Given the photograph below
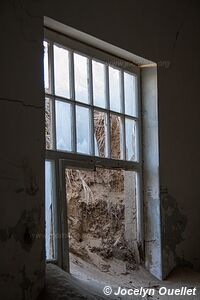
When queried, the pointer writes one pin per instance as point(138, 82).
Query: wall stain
point(173, 226)
point(6, 276)
point(30, 184)
point(23, 231)
point(26, 285)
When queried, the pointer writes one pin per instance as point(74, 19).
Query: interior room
point(99, 114)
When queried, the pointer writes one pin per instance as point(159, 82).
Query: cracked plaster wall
point(164, 32)
point(22, 150)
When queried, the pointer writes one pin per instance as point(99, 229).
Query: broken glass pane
point(100, 133)
point(102, 225)
point(116, 137)
point(48, 124)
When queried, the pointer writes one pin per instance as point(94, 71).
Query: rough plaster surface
point(173, 221)
point(167, 33)
point(22, 150)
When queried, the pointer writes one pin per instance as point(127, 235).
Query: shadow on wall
point(173, 226)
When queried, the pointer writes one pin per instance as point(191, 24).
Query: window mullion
point(138, 123)
point(73, 105)
point(108, 148)
point(52, 89)
point(90, 86)
point(123, 118)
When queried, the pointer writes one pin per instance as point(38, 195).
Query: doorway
point(100, 218)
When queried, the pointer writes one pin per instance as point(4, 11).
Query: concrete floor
point(88, 283)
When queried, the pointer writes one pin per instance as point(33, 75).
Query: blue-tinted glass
point(63, 126)
point(83, 129)
point(130, 93)
point(81, 78)
point(114, 89)
point(130, 126)
point(99, 94)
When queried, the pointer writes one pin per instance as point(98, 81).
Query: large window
point(89, 100)
point(92, 110)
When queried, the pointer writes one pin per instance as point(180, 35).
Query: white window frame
point(63, 159)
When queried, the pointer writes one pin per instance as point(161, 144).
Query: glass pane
point(100, 133)
point(63, 126)
point(116, 137)
point(48, 123)
point(49, 211)
point(130, 93)
point(46, 65)
point(61, 71)
point(98, 71)
point(83, 129)
point(130, 126)
point(81, 78)
point(114, 89)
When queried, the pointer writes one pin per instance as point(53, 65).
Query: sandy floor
point(87, 282)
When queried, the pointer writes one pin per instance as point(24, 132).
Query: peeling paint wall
point(22, 150)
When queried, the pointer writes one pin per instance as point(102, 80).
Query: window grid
point(50, 93)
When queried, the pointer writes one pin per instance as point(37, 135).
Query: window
point(83, 92)
point(92, 112)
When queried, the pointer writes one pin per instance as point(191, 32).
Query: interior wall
point(22, 150)
point(164, 32)
point(168, 34)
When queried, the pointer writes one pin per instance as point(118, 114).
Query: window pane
point(129, 92)
point(83, 129)
point(49, 211)
point(114, 89)
point(63, 125)
point(116, 137)
point(61, 71)
point(81, 78)
point(130, 126)
point(46, 65)
point(48, 123)
point(100, 133)
point(98, 71)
